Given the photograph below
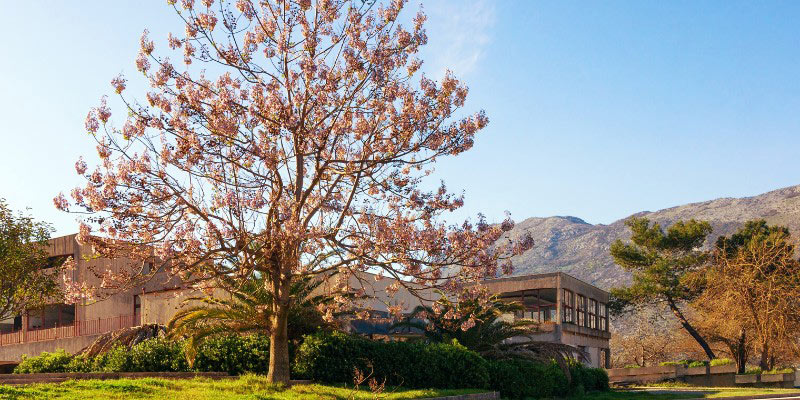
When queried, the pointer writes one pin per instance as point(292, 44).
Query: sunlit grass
point(245, 387)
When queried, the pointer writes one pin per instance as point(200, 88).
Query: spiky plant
point(246, 309)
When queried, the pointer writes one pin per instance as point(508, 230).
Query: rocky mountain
point(571, 245)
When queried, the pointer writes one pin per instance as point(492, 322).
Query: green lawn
point(683, 393)
point(246, 387)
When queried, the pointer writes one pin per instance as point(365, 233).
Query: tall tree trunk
point(690, 329)
point(279, 346)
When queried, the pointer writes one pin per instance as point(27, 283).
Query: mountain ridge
point(571, 245)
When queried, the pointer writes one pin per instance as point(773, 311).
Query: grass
point(245, 388)
point(682, 393)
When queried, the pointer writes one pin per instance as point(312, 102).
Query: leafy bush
point(46, 362)
point(589, 379)
point(633, 366)
point(512, 378)
point(335, 357)
point(234, 354)
point(721, 361)
point(153, 355)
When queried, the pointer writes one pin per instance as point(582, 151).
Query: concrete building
point(569, 311)
point(72, 327)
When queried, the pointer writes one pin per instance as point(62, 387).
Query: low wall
point(719, 376)
point(723, 375)
point(14, 352)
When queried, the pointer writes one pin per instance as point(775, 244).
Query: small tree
point(24, 281)
point(755, 281)
point(660, 263)
point(305, 154)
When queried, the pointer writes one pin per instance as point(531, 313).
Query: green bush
point(335, 357)
point(234, 354)
point(153, 355)
point(721, 361)
point(589, 379)
point(46, 362)
point(698, 364)
point(513, 379)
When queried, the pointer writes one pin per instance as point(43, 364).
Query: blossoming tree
point(303, 155)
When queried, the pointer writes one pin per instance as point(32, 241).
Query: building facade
point(569, 311)
point(72, 327)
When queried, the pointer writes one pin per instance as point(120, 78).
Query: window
point(11, 324)
point(51, 316)
point(547, 305)
point(603, 317)
point(55, 261)
point(568, 306)
point(581, 306)
point(137, 304)
point(592, 314)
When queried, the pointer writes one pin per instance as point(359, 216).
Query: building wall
point(14, 352)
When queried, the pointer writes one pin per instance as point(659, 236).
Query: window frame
point(41, 313)
point(581, 307)
point(567, 306)
point(603, 313)
point(592, 316)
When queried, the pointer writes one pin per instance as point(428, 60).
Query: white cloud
point(459, 31)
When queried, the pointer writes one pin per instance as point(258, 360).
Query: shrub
point(334, 358)
point(589, 379)
point(698, 364)
point(720, 361)
point(234, 354)
point(46, 362)
point(152, 355)
point(513, 379)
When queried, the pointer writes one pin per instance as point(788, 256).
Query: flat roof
point(536, 276)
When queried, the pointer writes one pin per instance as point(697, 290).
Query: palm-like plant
point(246, 310)
point(478, 323)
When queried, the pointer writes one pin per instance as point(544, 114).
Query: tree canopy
point(752, 289)
point(25, 282)
point(660, 263)
point(299, 147)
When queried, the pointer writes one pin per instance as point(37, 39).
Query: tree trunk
point(764, 362)
point(690, 329)
point(279, 346)
point(741, 353)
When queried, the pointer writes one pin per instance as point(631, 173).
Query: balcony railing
point(79, 328)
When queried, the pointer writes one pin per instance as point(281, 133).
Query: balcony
point(79, 328)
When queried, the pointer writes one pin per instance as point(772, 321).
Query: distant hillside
point(570, 245)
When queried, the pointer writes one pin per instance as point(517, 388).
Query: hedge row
point(335, 358)
point(232, 354)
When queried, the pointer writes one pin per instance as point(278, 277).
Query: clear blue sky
point(598, 109)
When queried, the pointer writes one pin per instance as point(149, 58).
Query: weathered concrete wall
point(73, 345)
